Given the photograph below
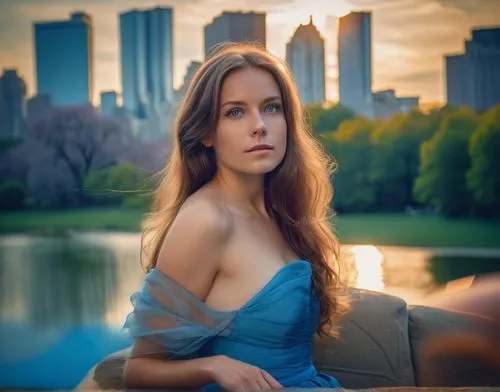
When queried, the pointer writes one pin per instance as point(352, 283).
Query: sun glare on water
point(368, 260)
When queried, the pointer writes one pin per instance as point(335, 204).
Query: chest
point(257, 244)
point(253, 256)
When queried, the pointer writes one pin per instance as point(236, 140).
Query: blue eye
point(235, 112)
point(272, 108)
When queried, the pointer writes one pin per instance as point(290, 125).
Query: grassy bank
point(406, 230)
point(82, 219)
point(378, 229)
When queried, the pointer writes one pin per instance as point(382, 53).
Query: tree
point(12, 195)
point(14, 164)
point(325, 120)
point(351, 147)
point(396, 157)
point(483, 178)
point(70, 142)
point(444, 163)
point(125, 184)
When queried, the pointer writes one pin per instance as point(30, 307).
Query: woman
point(241, 254)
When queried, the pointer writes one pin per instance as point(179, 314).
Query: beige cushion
point(373, 349)
point(433, 328)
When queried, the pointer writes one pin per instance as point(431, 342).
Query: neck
point(245, 191)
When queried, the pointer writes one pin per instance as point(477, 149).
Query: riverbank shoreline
point(426, 231)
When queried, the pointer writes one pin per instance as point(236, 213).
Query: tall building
point(355, 62)
point(147, 60)
point(191, 70)
point(109, 103)
point(64, 60)
point(37, 106)
point(473, 78)
point(457, 89)
point(235, 27)
point(12, 105)
point(305, 54)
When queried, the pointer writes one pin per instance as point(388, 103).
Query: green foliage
point(447, 158)
point(12, 195)
point(124, 184)
point(483, 178)
point(447, 268)
point(395, 163)
point(325, 120)
point(444, 163)
point(352, 149)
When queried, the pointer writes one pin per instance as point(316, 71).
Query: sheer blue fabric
point(273, 330)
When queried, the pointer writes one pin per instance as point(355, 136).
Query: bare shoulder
point(192, 249)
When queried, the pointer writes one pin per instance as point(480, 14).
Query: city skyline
point(410, 39)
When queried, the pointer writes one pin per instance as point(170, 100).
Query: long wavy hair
point(298, 192)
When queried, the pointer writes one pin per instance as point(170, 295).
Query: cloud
point(471, 6)
point(420, 76)
point(414, 83)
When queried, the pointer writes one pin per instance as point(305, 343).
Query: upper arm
point(192, 249)
point(191, 253)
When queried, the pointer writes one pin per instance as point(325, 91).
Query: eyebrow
point(242, 103)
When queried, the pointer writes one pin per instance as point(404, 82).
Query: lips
point(260, 147)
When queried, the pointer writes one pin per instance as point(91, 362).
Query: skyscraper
point(64, 59)
point(191, 70)
point(305, 54)
point(473, 78)
point(36, 107)
point(235, 27)
point(12, 105)
point(355, 63)
point(147, 60)
point(109, 104)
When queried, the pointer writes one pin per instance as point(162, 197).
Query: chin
point(255, 170)
point(261, 168)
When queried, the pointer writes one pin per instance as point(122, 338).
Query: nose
point(259, 128)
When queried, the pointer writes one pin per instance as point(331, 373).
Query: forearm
point(159, 373)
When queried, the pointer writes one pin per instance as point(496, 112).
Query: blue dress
point(273, 330)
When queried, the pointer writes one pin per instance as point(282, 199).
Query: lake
point(64, 299)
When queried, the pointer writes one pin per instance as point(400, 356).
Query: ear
point(207, 141)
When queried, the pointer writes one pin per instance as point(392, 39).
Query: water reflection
point(64, 299)
point(57, 281)
point(368, 267)
point(62, 302)
point(449, 268)
point(88, 278)
point(415, 273)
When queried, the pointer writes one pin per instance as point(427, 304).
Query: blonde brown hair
point(297, 193)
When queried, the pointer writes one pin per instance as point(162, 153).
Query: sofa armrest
point(373, 349)
point(449, 348)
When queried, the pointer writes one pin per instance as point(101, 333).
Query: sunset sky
point(410, 37)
